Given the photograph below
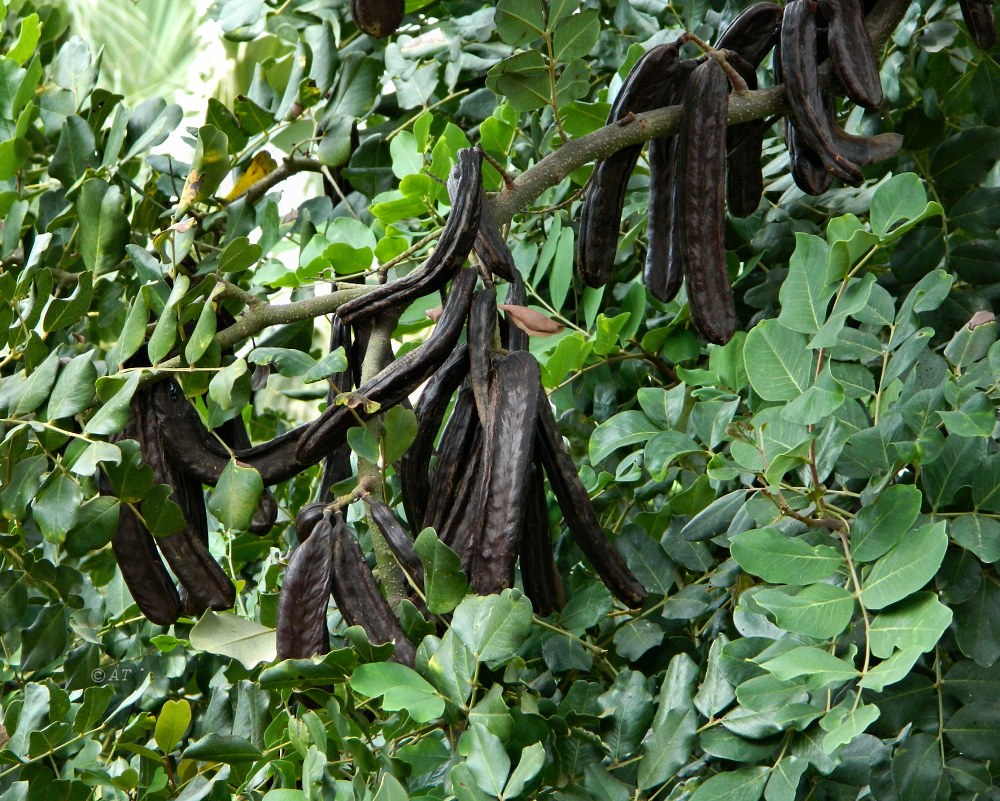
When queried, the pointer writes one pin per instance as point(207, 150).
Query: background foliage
point(814, 508)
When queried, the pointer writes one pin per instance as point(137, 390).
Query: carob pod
point(482, 334)
point(805, 165)
point(802, 90)
point(305, 595)
point(414, 466)
point(454, 453)
point(337, 464)
point(135, 551)
point(358, 597)
point(852, 52)
point(509, 436)
point(752, 35)
point(578, 512)
point(393, 384)
point(453, 247)
point(512, 336)
point(539, 574)
point(978, 16)
point(460, 516)
point(490, 247)
point(234, 433)
point(663, 273)
point(307, 518)
point(378, 18)
point(646, 87)
point(399, 542)
point(186, 551)
point(701, 170)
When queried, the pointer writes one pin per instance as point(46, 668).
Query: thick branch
point(552, 169)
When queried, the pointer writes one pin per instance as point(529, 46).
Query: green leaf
point(56, 507)
point(290, 363)
point(576, 36)
point(524, 80)
point(334, 362)
point(819, 610)
point(745, 784)
point(806, 291)
point(916, 623)
point(38, 385)
point(227, 748)
point(978, 534)
point(894, 669)
point(165, 331)
point(900, 203)
point(209, 167)
point(63, 312)
point(663, 450)
point(969, 345)
point(845, 722)
point(906, 568)
point(779, 364)
point(586, 608)
point(232, 636)
point(171, 724)
point(781, 559)
point(966, 157)
point(975, 730)
point(818, 402)
point(133, 333)
point(493, 627)
point(668, 747)
point(74, 389)
point(783, 783)
point(75, 153)
point(452, 668)
point(28, 34)
point(626, 428)
point(978, 624)
point(363, 444)
point(528, 766)
point(44, 641)
point(399, 428)
point(821, 666)
point(238, 255)
point(519, 21)
point(646, 559)
point(104, 226)
point(22, 486)
point(162, 514)
point(203, 334)
point(235, 498)
point(975, 418)
point(444, 582)
point(879, 526)
point(486, 758)
point(13, 599)
point(716, 692)
point(400, 688)
point(111, 417)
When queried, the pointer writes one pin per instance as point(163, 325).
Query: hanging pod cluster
point(481, 487)
point(705, 168)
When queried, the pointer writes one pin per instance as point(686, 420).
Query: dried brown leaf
point(532, 322)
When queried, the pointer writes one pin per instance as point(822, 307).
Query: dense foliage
point(814, 508)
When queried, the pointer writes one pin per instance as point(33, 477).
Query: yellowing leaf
point(262, 164)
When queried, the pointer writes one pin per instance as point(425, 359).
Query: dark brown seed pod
point(457, 447)
point(979, 18)
point(852, 52)
point(337, 464)
point(414, 466)
point(378, 18)
point(646, 87)
point(453, 246)
point(397, 539)
point(807, 168)
point(539, 574)
point(305, 596)
point(753, 33)
point(142, 568)
point(701, 169)
point(805, 98)
point(186, 551)
point(358, 597)
point(509, 439)
point(307, 518)
point(744, 148)
point(579, 513)
point(393, 384)
point(663, 269)
point(512, 336)
point(234, 434)
point(461, 516)
point(482, 334)
point(490, 247)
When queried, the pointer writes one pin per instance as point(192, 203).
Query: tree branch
point(289, 167)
